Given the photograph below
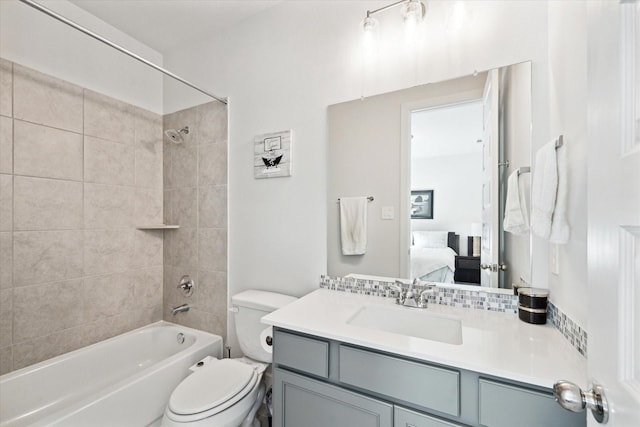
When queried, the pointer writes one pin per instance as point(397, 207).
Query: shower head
point(176, 136)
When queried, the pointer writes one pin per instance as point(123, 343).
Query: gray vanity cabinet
point(304, 402)
point(323, 383)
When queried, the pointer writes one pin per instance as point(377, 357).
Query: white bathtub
point(123, 381)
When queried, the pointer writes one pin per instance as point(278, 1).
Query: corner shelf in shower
point(158, 227)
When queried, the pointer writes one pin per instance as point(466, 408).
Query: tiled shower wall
point(78, 172)
point(195, 198)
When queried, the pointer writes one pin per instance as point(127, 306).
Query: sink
point(412, 322)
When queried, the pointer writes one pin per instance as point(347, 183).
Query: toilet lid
point(225, 381)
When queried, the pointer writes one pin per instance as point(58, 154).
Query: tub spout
point(180, 309)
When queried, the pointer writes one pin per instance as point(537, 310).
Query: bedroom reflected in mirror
point(459, 139)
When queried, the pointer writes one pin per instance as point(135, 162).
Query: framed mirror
point(456, 141)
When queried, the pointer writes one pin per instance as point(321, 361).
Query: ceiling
point(165, 24)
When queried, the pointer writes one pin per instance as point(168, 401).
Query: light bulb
point(412, 13)
point(370, 28)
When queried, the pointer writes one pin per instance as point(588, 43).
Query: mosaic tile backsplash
point(479, 300)
point(570, 329)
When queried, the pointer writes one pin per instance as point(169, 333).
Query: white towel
point(548, 194)
point(353, 225)
point(516, 213)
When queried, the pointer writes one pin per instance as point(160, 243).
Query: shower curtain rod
point(117, 47)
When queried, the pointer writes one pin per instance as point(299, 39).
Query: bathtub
point(123, 381)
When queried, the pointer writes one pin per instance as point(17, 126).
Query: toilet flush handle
point(234, 309)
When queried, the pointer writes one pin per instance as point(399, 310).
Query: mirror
point(436, 160)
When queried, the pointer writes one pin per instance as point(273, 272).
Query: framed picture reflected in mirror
point(421, 204)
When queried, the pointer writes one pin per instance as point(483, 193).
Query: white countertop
point(493, 343)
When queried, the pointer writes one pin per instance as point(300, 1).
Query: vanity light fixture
point(412, 12)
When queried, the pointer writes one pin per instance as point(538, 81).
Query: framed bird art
point(272, 155)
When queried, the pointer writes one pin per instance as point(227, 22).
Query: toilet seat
point(211, 390)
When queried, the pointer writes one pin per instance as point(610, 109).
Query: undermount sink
point(413, 322)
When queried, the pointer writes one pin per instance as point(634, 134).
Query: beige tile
point(43, 348)
point(184, 206)
point(184, 166)
point(212, 123)
point(148, 206)
point(143, 316)
point(6, 360)
point(108, 118)
point(46, 256)
point(47, 152)
point(212, 249)
point(46, 204)
point(166, 208)
point(6, 145)
point(44, 309)
point(212, 164)
point(147, 248)
point(193, 318)
point(106, 296)
point(107, 251)
point(6, 260)
point(148, 287)
point(107, 162)
point(6, 88)
point(211, 292)
point(148, 165)
point(183, 247)
point(6, 317)
point(166, 166)
point(212, 206)
point(45, 100)
point(148, 127)
point(108, 206)
point(6, 202)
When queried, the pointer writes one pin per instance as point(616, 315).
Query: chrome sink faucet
point(409, 298)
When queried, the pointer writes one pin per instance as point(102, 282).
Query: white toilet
point(228, 392)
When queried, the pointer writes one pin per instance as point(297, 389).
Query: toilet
point(229, 392)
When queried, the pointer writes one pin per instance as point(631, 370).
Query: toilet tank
point(251, 306)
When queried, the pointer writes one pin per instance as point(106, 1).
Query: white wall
point(35, 40)
point(283, 67)
point(457, 197)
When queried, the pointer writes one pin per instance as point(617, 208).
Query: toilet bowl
point(225, 393)
point(229, 392)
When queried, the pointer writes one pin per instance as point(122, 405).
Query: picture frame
point(272, 155)
point(421, 204)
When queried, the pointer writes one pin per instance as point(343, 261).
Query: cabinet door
point(504, 405)
point(301, 401)
point(404, 417)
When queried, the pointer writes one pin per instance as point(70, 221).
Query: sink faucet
point(180, 309)
point(409, 298)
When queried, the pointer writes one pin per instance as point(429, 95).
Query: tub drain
point(180, 338)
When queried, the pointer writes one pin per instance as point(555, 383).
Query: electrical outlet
point(555, 259)
point(388, 212)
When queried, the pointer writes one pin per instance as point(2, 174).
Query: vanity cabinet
point(320, 382)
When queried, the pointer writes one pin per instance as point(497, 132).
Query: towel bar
point(369, 198)
point(523, 169)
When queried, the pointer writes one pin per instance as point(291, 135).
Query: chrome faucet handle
point(423, 301)
point(397, 287)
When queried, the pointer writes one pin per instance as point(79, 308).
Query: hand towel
point(549, 193)
point(560, 231)
point(544, 190)
point(516, 215)
point(353, 225)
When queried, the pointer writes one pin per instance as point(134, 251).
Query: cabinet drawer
point(426, 386)
point(468, 264)
point(304, 402)
point(403, 417)
point(302, 353)
point(503, 405)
